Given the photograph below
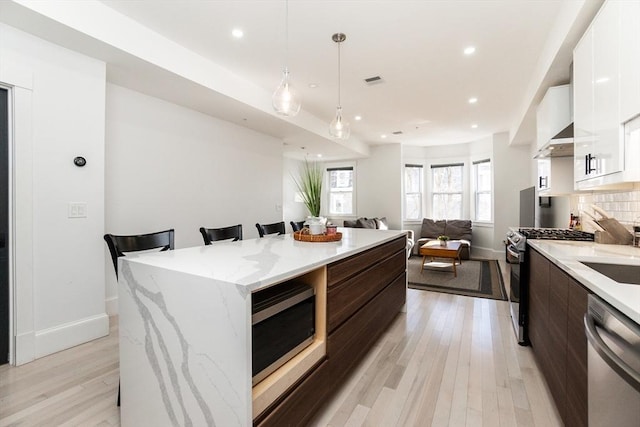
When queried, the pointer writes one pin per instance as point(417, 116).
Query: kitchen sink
point(618, 272)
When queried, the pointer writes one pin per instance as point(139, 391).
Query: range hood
point(561, 145)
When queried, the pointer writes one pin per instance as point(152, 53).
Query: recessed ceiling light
point(237, 33)
point(357, 118)
point(318, 155)
point(313, 85)
point(473, 100)
point(383, 136)
point(469, 50)
point(602, 80)
point(474, 126)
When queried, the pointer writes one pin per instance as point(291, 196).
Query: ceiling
point(415, 46)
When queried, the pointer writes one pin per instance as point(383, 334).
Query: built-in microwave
point(283, 324)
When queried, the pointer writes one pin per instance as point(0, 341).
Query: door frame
point(18, 82)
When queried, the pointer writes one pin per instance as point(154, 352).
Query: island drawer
point(349, 296)
point(340, 270)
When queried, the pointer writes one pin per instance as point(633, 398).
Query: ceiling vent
point(373, 80)
point(398, 132)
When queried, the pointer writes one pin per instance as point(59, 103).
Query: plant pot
point(443, 243)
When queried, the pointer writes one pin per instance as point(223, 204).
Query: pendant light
point(285, 99)
point(339, 128)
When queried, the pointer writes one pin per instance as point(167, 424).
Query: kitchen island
point(185, 326)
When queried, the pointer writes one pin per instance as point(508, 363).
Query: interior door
point(4, 227)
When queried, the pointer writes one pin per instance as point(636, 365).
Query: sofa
point(458, 230)
point(379, 224)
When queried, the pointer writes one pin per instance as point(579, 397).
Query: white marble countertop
point(568, 256)
point(254, 263)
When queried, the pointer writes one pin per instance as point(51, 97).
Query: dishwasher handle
point(613, 360)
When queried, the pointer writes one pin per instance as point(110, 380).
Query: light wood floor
point(449, 360)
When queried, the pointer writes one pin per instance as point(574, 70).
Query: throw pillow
point(350, 223)
point(382, 223)
point(431, 228)
point(366, 223)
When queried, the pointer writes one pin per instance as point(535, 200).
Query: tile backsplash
point(622, 205)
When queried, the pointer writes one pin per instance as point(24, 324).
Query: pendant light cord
point(286, 35)
point(339, 85)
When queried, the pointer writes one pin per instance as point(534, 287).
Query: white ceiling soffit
point(553, 66)
point(142, 60)
point(414, 46)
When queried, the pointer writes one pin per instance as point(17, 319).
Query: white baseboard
point(25, 348)
point(112, 306)
point(62, 337)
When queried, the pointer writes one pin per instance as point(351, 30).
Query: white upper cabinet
point(606, 94)
point(629, 60)
point(606, 76)
point(553, 114)
point(583, 131)
point(555, 176)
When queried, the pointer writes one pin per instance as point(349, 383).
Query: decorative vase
point(316, 224)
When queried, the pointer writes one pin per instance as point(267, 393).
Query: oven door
point(517, 289)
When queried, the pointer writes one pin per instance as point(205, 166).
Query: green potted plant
point(310, 186)
point(443, 240)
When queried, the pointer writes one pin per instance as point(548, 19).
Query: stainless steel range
point(516, 255)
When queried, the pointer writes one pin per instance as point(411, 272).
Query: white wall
point(512, 173)
point(59, 115)
point(171, 167)
point(291, 209)
point(379, 185)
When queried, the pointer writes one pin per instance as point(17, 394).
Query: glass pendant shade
point(339, 128)
point(285, 99)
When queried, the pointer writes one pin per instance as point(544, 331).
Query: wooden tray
point(304, 237)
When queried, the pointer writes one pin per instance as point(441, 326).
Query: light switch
point(77, 210)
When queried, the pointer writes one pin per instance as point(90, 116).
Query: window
point(483, 196)
point(340, 191)
point(447, 191)
point(413, 192)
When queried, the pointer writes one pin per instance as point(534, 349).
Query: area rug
point(476, 278)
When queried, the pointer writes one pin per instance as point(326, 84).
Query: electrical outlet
point(77, 210)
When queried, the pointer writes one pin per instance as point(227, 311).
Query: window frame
point(435, 193)
point(420, 192)
point(477, 192)
point(329, 169)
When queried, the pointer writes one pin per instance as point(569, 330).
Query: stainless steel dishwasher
point(613, 366)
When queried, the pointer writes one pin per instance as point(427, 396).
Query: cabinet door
point(607, 148)
point(583, 104)
point(577, 383)
point(558, 298)
point(629, 60)
point(539, 309)
point(544, 173)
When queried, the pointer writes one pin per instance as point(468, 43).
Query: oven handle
point(513, 257)
point(609, 356)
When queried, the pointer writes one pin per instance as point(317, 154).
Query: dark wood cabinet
point(577, 384)
point(539, 307)
point(556, 331)
point(365, 293)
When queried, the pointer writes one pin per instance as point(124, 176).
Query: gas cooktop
point(556, 234)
